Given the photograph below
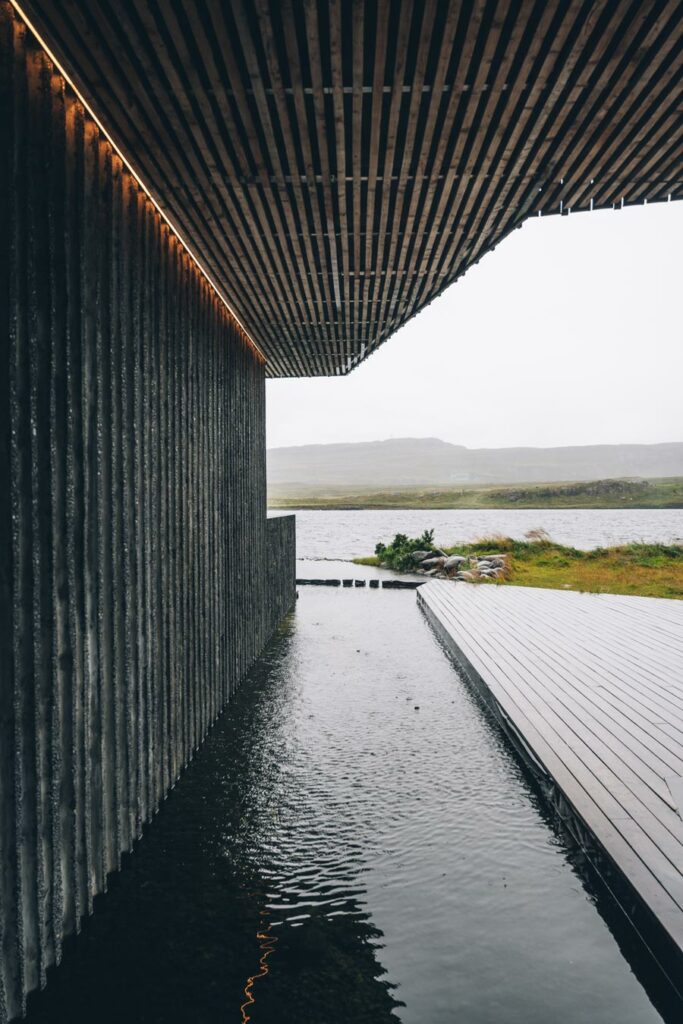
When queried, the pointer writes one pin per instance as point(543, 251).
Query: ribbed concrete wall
point(281, 568)
point(133, 527)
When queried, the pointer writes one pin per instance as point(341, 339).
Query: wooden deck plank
point(668, 752)
point(595, 756)
point(592, 685)
point(636, 709)
point(627, 745)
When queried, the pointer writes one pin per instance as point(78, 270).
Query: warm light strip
point(29, 24)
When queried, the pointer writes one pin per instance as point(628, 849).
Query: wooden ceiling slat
point(287, 221)
point(392, 139)
point(564, 115)
point(341, 214)
point(522, 147)
point(604, 93)
point(376, 100)
point(206, 136)
point(636, 173)
point(470, 130)
point(557, 189)
point(325, 131)
point(424, 192)
point(531, 145)
point(450, 199)
point(664, 45)
point(405, 190)
point(303, 137)
point(438, 192)
point(336, 165)
point(356, 145)
point(661, 123)
point(575, 134)
point(554, 24)
point(158, 144)
point(298, 220)
point(270, 199)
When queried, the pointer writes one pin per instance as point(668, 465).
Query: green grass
point(665, 492)
point(648, 570)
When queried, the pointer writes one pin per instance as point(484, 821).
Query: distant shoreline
point(341, 506)
point(661, 493)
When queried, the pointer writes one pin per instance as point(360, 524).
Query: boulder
point(497, 561)
point(465, 575)
point(419, 556)
point(453, 561)
point(433, 563)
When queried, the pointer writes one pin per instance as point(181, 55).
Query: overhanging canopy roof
point(336, 165)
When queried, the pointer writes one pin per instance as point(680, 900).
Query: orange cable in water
point(267, 945)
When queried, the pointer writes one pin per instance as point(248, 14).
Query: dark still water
point(354, 843)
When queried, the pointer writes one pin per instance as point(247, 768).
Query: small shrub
point(399, 554)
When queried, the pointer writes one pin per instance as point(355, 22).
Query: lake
point(350, 534)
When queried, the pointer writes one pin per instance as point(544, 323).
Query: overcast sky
point(569, 333)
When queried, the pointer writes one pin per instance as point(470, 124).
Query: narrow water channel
point(355, 842)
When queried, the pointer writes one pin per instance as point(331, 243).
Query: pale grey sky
point(569, 333)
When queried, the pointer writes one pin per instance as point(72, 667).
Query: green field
point(648, 570)
point(666, 492)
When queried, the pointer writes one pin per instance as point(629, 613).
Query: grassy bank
point(649, 570)
point(666, 492)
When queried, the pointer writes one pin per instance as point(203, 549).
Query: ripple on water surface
point(348, 534)
point(354, 843)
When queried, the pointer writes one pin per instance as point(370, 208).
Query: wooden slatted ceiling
point(336, 165)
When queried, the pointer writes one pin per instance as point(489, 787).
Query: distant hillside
point(411, 462)
point(665, 492)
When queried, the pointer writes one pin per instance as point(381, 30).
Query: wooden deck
point(591, 686)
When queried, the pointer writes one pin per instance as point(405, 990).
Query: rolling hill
point(430, 462)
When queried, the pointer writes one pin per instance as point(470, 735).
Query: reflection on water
point(353, 843)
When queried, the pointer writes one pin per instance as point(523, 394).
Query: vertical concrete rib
point(27, 953)
point(39, 135)
point(9, 980)
point(129, 663)
point(133, 532)
point(61, 796)
point(162, 553)
point(105, 596)
point(91, 703)
point(115, 499)
point(75, 811)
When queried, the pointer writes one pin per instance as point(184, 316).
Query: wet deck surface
point(593, 684)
